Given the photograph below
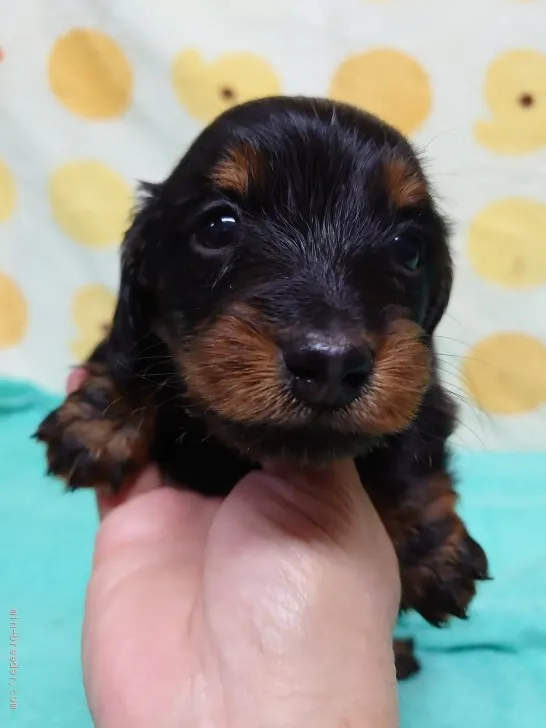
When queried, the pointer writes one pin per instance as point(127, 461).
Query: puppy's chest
point(196, 461)
point(201, 463)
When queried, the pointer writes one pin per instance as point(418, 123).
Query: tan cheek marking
point(399, 381)
point(233, 369)
point(405, 186)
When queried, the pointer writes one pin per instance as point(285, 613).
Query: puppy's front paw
point(444, 582)
point(95, 437)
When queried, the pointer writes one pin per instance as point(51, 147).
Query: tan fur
point(399, 380)
point(405, 186)
point(237, 169)
point(113, 437)
point(433, 505)
point(234, 370)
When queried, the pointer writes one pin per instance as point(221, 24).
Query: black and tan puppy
point(278, 297)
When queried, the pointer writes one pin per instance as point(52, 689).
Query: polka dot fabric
point(97, 96)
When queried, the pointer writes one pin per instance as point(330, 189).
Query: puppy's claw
point(445, 585)
point(477, 560)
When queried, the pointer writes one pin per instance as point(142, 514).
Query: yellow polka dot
point(14, 313)
point(515, 91)
point(91, 203)
point(387, 83)
point(507, 243)
point(92, 311)
point(505, 374)
point(8, 195)
point(90, 74)
point(206, 89)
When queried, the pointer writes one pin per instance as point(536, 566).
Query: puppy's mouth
point(312, 403)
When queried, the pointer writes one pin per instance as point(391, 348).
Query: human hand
point(273, 607)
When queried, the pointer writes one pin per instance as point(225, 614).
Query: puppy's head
point(295, 266)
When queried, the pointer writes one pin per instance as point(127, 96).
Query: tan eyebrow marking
point(237, 169)
point(405, 185)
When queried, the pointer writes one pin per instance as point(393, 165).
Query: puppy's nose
point(327, 371)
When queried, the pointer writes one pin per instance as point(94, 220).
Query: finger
point(75, 379)
point(336, 473)
point(309, 502)
point(147, 480)
point(160, 520)
point(314, 517)
point(330, 502)
point(335, 488)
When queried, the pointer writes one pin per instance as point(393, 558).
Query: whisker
point(452, 338)
point(158, 357)
point(111, 404)
point(142, 376)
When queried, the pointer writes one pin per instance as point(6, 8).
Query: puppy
point(279, 294)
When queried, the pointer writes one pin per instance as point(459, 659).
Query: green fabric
point(488, 672)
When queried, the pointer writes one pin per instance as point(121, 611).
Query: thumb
point(313, 504)
point(312, 519)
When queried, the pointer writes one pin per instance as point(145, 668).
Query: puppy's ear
point(135, 307)
point(438, 302)
point(440, 278)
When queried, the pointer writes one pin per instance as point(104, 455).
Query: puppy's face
point(295, 266)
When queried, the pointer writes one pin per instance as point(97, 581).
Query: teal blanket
point(488, 672)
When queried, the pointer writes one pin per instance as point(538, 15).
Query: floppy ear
point(133, 316)
point(440, 279)
point(439, 300)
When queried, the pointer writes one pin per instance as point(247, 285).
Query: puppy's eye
point(408, 252)
point(217, 233)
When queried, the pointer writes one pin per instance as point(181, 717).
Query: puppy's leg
point(440, 563)
point(97, 437)
point(404, 659)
